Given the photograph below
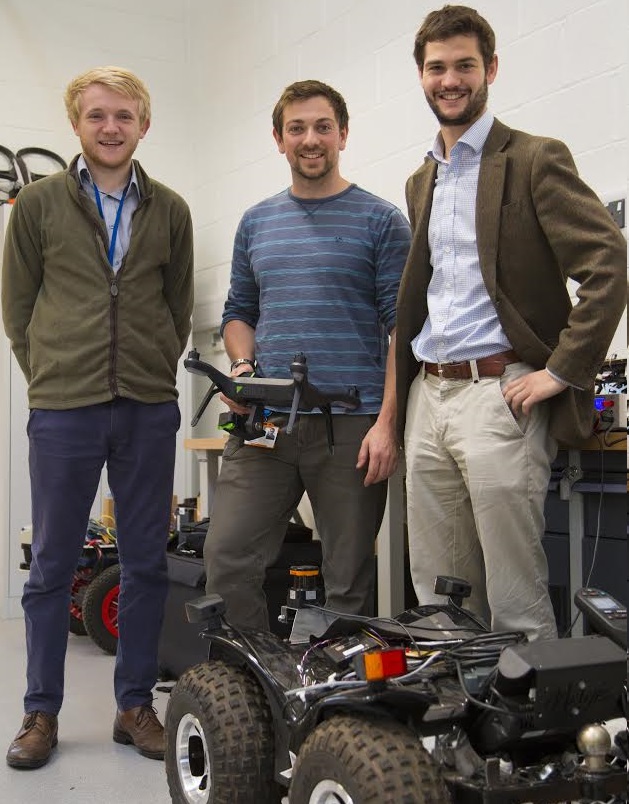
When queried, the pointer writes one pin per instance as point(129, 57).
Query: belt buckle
point(440, 370)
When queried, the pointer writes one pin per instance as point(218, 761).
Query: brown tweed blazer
point(537, 223)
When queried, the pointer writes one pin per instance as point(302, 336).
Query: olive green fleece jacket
point(81, 333)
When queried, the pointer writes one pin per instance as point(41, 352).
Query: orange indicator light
point(382, 664)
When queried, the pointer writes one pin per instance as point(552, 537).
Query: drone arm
point(204, 403)
point(294, 408)
point(223, 383)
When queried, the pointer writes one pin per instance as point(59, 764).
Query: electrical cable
point(418, 645)
point(600, 441)
point(613, 443)
point(311, 649)
point(298, 692)
point(484, 649)
point(371, 620)
point(417, 670)
point(482, 704)
point(468, 614)
point(598, 513)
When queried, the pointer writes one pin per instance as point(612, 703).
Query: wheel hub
point(80, 582)
point(109, 610)
point(328, 791)
point(193, 760)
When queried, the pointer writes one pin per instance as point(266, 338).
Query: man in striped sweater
point(316, 270)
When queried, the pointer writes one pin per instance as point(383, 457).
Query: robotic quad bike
point(343, 711)
point(340, 712)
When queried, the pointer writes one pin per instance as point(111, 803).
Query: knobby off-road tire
point(76, 626)
point(219, 738)
point(100, 609)
point(354, 758)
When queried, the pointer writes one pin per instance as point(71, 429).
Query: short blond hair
point(116, 78)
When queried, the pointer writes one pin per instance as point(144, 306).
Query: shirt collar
point(475, 137)
point(87, 182)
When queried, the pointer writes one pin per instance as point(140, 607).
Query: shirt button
point(447, 249)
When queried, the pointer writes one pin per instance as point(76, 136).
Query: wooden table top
point(208, 444)
point(617, 443)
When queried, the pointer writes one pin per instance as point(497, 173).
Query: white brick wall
point(563, 72)
point(216, 67)
point(45, 43)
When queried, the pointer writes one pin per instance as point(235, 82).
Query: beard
point(103, 159)
point(309, 175)
point(475, 105)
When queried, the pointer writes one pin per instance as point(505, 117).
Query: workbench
point(208, 452)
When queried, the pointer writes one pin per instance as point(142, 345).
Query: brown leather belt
point(491, 366)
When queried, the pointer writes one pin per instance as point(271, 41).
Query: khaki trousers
point(477, 478)
point(256, 495)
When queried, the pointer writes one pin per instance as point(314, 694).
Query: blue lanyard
point(114, 234)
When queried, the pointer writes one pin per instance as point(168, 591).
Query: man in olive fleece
point(97, 291)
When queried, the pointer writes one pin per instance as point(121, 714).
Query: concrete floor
point(87, 766)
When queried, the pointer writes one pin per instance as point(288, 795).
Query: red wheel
point(82, 578)
point(109, 610)
point(100, 609)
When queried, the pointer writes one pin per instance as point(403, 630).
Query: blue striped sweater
point(321, 276)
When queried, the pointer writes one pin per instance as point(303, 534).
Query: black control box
point(603, 613)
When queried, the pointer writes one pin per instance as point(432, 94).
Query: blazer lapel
point(491, 179)
point(419, 201)
point(420, 196)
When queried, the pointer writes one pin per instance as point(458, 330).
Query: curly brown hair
point(454, 21)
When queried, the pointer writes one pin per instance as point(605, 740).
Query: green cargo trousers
point(257, 493)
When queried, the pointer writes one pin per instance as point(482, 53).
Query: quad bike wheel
point(100, 609)
point(219, 738)
point(355, 759)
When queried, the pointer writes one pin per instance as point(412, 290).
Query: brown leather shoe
point(140, 727)
point(34, 742)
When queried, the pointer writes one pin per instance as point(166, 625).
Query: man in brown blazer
point(494, 364)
